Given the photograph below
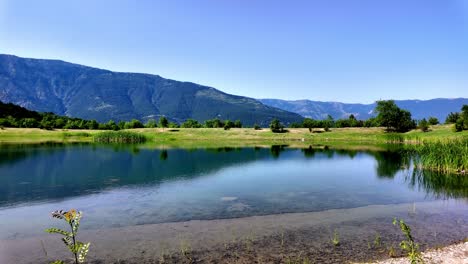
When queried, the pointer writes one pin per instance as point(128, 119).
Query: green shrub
point(119, 137)
point(423, 125)
point(276, 126)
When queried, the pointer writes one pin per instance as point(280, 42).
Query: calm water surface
point(121, 186)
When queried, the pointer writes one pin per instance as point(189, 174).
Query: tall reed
point(441, 156)
point(119, 137)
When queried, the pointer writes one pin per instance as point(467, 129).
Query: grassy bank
point(239, 136)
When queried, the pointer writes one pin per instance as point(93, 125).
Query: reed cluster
point(119, 137)
point(442, 156)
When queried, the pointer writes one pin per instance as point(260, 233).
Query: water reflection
point(56, 171)
point(437, 184)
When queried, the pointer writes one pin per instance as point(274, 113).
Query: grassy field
point(206, 137)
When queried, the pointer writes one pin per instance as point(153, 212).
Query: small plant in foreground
point(77, 248)
point(409, 245)
point(377, 240)
point(336, 239)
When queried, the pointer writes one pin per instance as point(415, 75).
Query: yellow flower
point(70, 215)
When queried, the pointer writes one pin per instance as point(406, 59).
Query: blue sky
point(329, 50)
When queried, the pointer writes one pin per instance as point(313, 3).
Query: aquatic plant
point(119, 137)
point(186, 250)
point(77, 248)
point(377, 240)
point(409, 245)
point(336, 239)
point(441, 156)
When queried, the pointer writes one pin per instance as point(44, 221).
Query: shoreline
point(269, 238)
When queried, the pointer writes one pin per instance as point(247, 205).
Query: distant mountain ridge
point(439, 107)
point(90, 93)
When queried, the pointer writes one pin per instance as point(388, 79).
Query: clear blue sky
point(332, 50)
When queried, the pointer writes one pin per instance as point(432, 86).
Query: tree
point(133, 124)
point(452, 118)
point(238, 124)
point(112, 125)
point(163, 122)
point(228, 124)
point(309, 123)
point(151, 123)
point(423, 125)
point(433, 121)
point(92, 124)
point(28, 122)
point(173, 125)
point(276, 126)
point(464, 116)
point(392, 117)
point(191, 123)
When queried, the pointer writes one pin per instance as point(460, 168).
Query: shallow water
point(126, 186)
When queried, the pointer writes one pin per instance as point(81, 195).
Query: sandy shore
point(453, 254)
point(261, 239)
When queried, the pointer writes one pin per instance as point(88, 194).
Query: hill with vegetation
point(84, 92)
point(419, 109)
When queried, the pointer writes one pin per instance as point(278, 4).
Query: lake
point(120, 187)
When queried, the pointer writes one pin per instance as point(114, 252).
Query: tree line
point(389, 115)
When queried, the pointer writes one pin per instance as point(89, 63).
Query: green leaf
point(58, 231)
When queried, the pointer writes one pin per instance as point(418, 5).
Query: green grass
point(119, 137)
point(441, 155)
point(212, 137)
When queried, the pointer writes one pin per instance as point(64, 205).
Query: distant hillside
point(419, 109)
point(90, 93)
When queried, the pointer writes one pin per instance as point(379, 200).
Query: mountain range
point(419, 109)
point(90, 93)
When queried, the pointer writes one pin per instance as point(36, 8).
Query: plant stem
point(74, 243)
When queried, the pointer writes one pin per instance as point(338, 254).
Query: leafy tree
point(371, 122)
point(309, 123)
point(257, 127)
point(93, 124)
point(353, 122)
point(392, 117)
point(173, 125)
point(458, 125)
point(276, 126)
point(423, 125)
point(238, 124)
point(228, 124)
point(433, 121)
point(28, 122)
point(121, 124)
point(452, 118)
point(151, 123)
point(191, 123)
point(163, 122)
point(329, 122)
point(111, 125)
point(214, 123)
point(464, 116)
point(133, 124)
